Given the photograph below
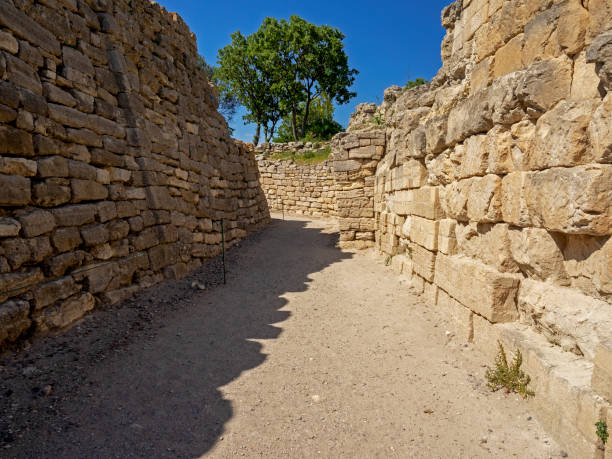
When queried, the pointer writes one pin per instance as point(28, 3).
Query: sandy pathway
point(307, 352)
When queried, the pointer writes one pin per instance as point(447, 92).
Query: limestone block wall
point(115, 166)
point(355, 158)
point(308, 189)
point(494, 196)
point(296, 147)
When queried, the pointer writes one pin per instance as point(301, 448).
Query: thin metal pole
point(223, 247)
point(283, 207)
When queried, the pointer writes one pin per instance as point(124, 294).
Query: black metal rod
point(223, 247)
point(283, 207)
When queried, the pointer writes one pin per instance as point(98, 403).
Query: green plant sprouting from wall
point(602, 431)
point(509, 377)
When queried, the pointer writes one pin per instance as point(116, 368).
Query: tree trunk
point(293, 123)
point(306, 113)
point(256, 136)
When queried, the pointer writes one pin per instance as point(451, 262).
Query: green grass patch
point(309, 157)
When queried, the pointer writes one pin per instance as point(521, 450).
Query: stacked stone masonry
point(115, 166)
point(290, 147)
point(494, 195)
point(297, 189)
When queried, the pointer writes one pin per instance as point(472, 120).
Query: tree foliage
point(321, 124)
point(282, 69)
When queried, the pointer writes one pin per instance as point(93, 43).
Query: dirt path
point(307, 352)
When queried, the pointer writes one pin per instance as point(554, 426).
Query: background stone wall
point(355, 157)
point(115, 166)
point(494, 196)
point(300, 189)
point(294, 147)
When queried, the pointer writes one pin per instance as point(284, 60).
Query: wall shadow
point(142, 379)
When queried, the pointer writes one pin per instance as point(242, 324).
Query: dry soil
point(308, 351)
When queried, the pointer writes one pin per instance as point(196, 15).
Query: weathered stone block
point(423, 231)
point(571, 200)
point(51, 292)
point(9, 227)
point(15, 190)
point(462, 318)
point(538, 255)
point(423, 261)
point(74, 215)
point(87, 190)
point(15, 284)
point(478, 287)
point(14, 320)
point(602, 371)
point(64, 314)
point(484, 200)
point(66, 239)
point(578, 322)
point(36, 223)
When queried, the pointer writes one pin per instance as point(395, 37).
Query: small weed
point(509, 377)
point(388, 260)
point(602, 431)
point(378, 120)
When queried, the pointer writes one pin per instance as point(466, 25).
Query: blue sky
point(389, 42)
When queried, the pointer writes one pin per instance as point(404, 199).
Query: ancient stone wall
point(494, 196)
point(298, 189)
point(293, 147)
point(355, 157)
point(115, 166)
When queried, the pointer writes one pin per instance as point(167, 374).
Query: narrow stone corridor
point(308, 351)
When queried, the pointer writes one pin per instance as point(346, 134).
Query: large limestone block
point(487, 243)
point(541, 37)
point(602, 372)
point(454, 199)
point(538, 255)
point(484, 200)
point(509, 58)
point(472, 116)
point(514, 204)
point(426, 203)
point(478, 287)
point(577, 322)
point(545, 83)
point(561, 137)
point(447, 242)
point(585, 81)
point(423, 261)
point(572, 200)
point(411, 174)
point(600, 131)
point(462, 318)
point(422, 231)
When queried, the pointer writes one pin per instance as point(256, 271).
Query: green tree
point(248, 75)
point(311, 61)
point(282, 69)
point(321, 124)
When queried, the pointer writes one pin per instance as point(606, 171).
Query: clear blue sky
point(389, 42)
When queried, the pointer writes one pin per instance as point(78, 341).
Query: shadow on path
point(154, 392)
